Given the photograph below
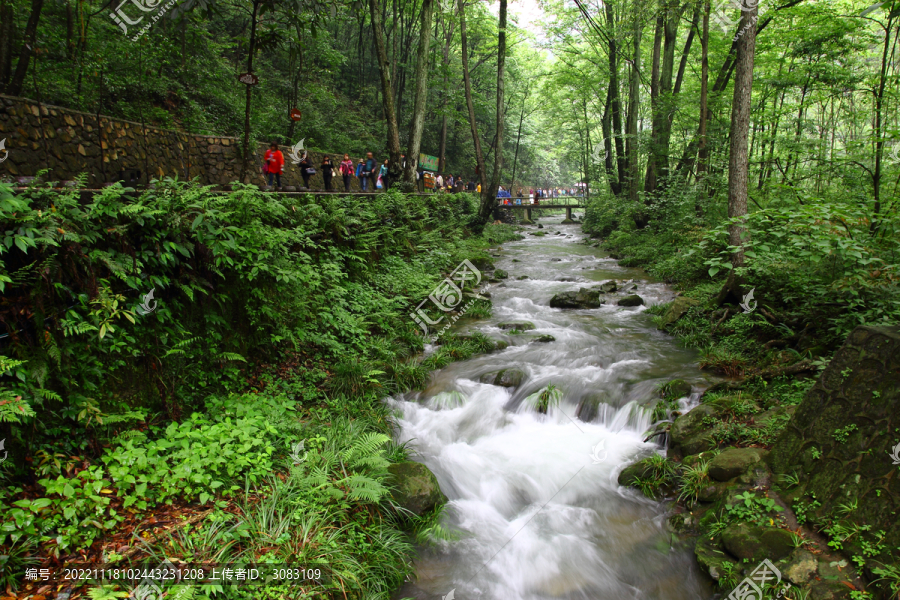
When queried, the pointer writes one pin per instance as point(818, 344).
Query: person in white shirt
point(439, 182)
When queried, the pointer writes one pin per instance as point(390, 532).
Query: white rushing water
point(534, 501)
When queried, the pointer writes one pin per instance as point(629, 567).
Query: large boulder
point(583, 298)
point(606, 288)
point(511, 378)
point(500, 274)
point(733, 462)
point(689, 434)
point(843, 435)
point(675, 389)
point(414, 487)
point(755, 543)
point(632, 300)
point(676, 310)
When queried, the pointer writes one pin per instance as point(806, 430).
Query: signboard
point(428, 163)
point(248, 78)
point(429, 179)
point(295, 114)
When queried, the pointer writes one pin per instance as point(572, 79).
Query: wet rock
point(500, 274)
point(521, 277)
point(555, 260)
point(632, 300)
point(689, 435)
point(711, 557)
point(538, 233)
point(540, 226)
point(568, 279)
point(630, 474)
point(801, 566)
point(675, 389)
point(583, 298)
point(511, 378)
point(733, 462)
point(590, 404)
point(415, 488)
point(595, 245)
point(501, 345)
point(676, 310)
point(607, 288)
point(754, 543)
point(517, 325)
point(516, 260)
point(543, 339)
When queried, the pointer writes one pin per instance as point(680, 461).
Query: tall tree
point(417, 124)
point(387, 89)
point(739, 159)
point(28, 42)
point(490, 194)
point(470, 105)
point(245, 164)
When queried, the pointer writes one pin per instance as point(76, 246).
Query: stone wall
point(841, 439)
point(68, 142)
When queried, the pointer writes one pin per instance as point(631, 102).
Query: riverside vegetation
point(818, 269)
point(239, 421)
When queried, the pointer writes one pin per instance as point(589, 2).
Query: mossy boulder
point(607, 288)
point(675, 389)
point(500, 274)
point(711, 557)
point(689, 435)
point(583, 298)
point(745, 541)
point(482, 263)
point(676, 310)
point(501, 345)
point(632, 300)
point(733, 462)
point(415, 488)
point(543, 339)
point(517, 325)
point(630, 474)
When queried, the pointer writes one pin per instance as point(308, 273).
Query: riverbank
point(196, 378)
point(735, 495)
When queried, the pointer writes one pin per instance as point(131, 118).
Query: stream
point(534, 506)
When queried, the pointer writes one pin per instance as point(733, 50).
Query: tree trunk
point(615, 104)
point(417, 124)
point(879, 118)
point(387, 95)
point(704, 93)
point(28, 42)
point(245, 166)
point(6, 35)
point(631, 133)
point(650, 178)
point(489, 198)
point(512, 180)
point(739, 161)
point(614, 185)
point(479, 156)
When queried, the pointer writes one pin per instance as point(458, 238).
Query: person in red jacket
point(274, 164)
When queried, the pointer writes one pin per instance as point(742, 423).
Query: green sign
point(429, 163)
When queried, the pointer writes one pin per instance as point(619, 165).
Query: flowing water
point(534, 501)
